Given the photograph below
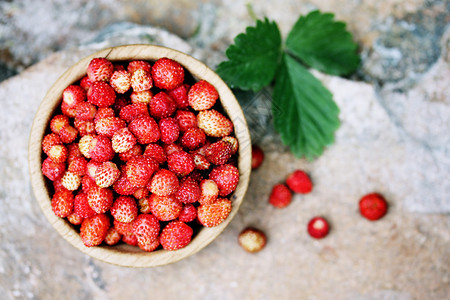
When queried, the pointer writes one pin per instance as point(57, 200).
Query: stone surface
point(393, 139)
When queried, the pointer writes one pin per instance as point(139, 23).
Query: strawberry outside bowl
point(123, 254)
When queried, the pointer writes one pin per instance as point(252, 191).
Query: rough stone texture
point(393, 139)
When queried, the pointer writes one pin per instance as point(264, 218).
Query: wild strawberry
point(234, 143)
point(280, 196)
point(141, 193)
point(193, 138)
point(81, 206)
point(299, 182)
point(141, 81)
point(373, 206)
point(156, 152)
point(123, 228)
point(169, 149)
point(84, 127)
point(58, 153)
point(101, 94)
point(49, 141)
point(188, 213)
point(123, 140)
point(78, 166)
point(124, 209)
point(141, 97)
point(68, 134)
point(144, 205)
point(57, 122)
point(196, 176)
point(57, 185)
point(85, 111)
point(74, 219)
point(165, 208)
point(71, 181)
point(167, 74)
point(100, 149)
point(62, 203)
point(87, 183)
point(186, 119)
point(130, 239)
point(163, 183)
point(209, 192)
point(108, 126)
point(162, 106)
point(257, 156)
point(214, 124)
point(226, 177)
point(189, 191)
point(169, 130)
point(146, 228)
point(121, 101)
point(85, 83)
point(100, 199)
point(120, 81)
point(68, 111)
point(252, 240)
point(180, 95)
point(210, 215)
point(181, 163)
point(149, 247)
point(133, 111)
point(202, 95)
point(200, 161)
point(72, 95)
point(139, 65)
point(84, 144)
point(52, 170)
point(103, 112)
point(100, 69)
point(318, 227)
point(106, 174)
point(136, 150)
point(176, 235)
point(145, 129)
point(73, 152)
point(123, 187)
point(94, 230)
point(219, 152)
point(91, 168)
point(112, 236)
point(138, 170)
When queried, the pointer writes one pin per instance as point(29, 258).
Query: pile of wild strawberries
point(140, 153)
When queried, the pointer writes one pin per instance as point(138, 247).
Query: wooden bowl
point(123, 254)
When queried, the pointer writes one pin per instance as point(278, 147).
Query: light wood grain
point(125, 255)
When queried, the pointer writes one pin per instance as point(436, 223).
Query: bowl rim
point(125, 255)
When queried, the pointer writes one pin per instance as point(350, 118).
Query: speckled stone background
point(394, 139)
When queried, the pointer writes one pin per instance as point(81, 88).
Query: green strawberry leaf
point(254, 57)
point(323, 44)
point(304, 112)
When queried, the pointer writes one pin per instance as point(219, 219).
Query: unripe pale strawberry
point(214, 124)
point(123, 140)
point(106, 174)
point(141, 80)
point(71, 181)
point(121, 81)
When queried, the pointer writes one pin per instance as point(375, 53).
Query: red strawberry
point(72, 95)
point(124, 228)
point(81, 206)
point(58, 122)
point(84, 127)
point(85, 111)
point(52, 170)
point(100, 69)
point(141, 97)
point(87, 183)
point(57, 185)
point(144, 205)
point(188, 213)
point(180, 95)
point(193, 138)
point(123, 140)
point(141, 193)
point(124, 209)
point(78, 166)
point(74, 152)
point(100, 149)
point(373, 206)
point(209, 192)
point(167, 74)
point(257, 156)
point(58, 153)
point(163, 183)
point(100, 199)
point(214, 124)
point(162, 106)
point(176, 235)
point(139, 65)
point(121, 81)
point(49, 141)
point(62, 203)
point(85, 83)
point(318, 227)
point(71, 181)
point(165, 208)
point(68, 134)
point(146, 228)
point(130, 239)
point(103, 112)
point(210, 215)
point(145, 129)
point(141, 80)
point(101, 94)
point(299, 182)
point(112, 236)
point(226, 177)
point(171, 148)
point(219, 152)
point(84, 144)
point(121, 101)
point(133, 111)
point(108, 126)
point(169, 130)
point(138, 170)
point(74, 219)
point(94, 230)
point(136, 150)
point(280, 196)
point(149, 247)
point(202, 95)
point(106, 174)
point(156, 152)
point(252, 240)
point(123, 187)
point(234, 143)
point(200, 161)
point(181, 163)
point(68, 111)
point(189, 191)
point(186, 119)
point(91, 169)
